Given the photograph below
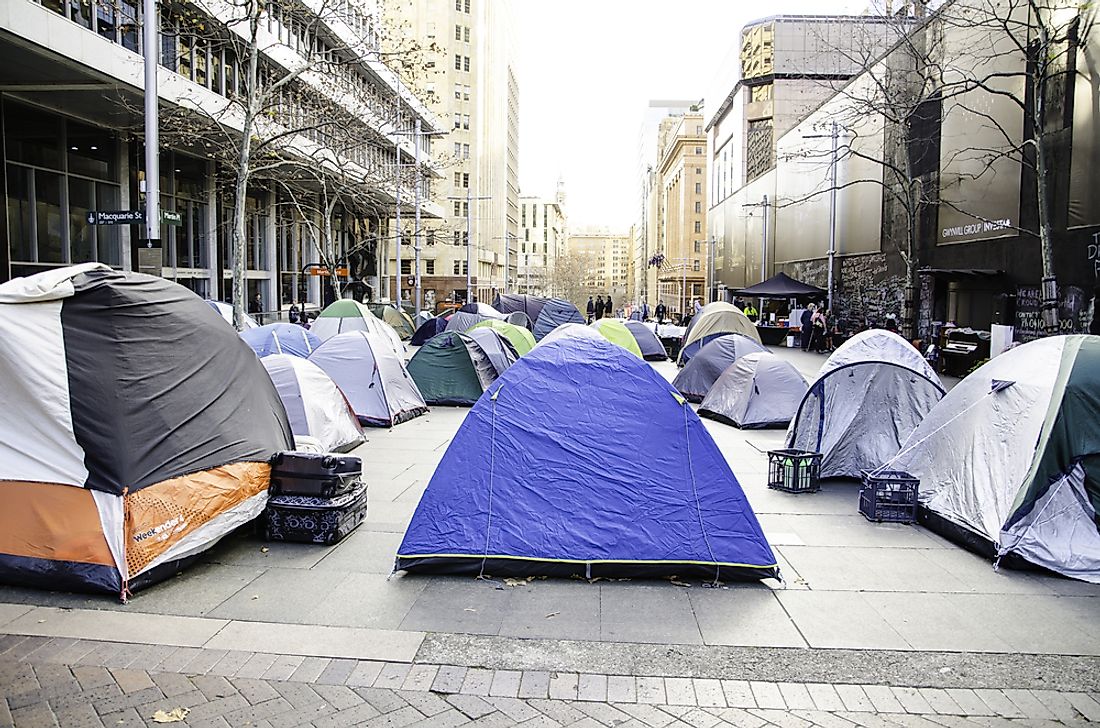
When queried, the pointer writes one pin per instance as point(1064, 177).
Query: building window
point(466, 34)
point(429, 267)
point(698, 150)
point(466, 6)
point(465, 121)
point(465, 151)
point(406, 267)
point(698, 170)
point(698, 188)
point(458, 120)
point(458, 149)
point(465, 93)
point(466, 180)
point(698, 226)
point(458, 32)
point(458, 91)
point(695, 265)
point(460, 267)
point(465, 63)
point(698, 246)
point(458, 208)
point(458, 179)
point(458, 5)
point(698, 206)
point(458, 62)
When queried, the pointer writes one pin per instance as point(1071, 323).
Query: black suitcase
point(316, 474)
point(307, 519)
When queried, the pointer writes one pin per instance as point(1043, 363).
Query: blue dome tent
point(428, 329)
point(554, 313)
point(522, 491)
point(281, 339)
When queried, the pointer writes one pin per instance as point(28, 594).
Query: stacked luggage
point(315, 497)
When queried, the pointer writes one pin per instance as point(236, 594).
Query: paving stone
point(52, 648)
point(542, 721)
point(256, 712)
point(796, 696)
point(427, 703)
point(130, 681)
point(708, 692)
point(883, 698)
point(824, 696)
point(505, 684)
point(969, 701)
point(72, 655)
point(81, 715)
point(254, 691)
point(940, 701)
point(823, 718)
point(477, 681)
point(385, 700)
point(561, 711)
point(767, 695)
point(621, 689)
point(282, 667)
point(38, 715)
point(172, 683)
point(176, 660)
point(300, 695)
point(780, 717)
point(126, 718)
point(121, 702)
point(257, 665)
point(213, 686)
point(602, 712)
point(310, 669)
point(1055, 702)
point(593, 687)
point(419, 677)
point(231, 663)
point(150, 656)
point(869, 720)
point(999, 703)
point(449, 679)
point(699, 718)
point(451, 718)
point(201, 663)
point(29, 646)
point(534, 684)
point(912, 700)
point(679, 691)
point(402, 717)
point(6, 721)
point(516, 709)
point(854, 699)
point(365, 673)
point(338, 696)
point(738, 694)
point(1085, 705)
point(337, 672)
point(563, 685)
point(651, 690)
point(470, 705)
point(647, 715)
point(907, 720)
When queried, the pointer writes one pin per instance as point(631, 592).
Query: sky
point(587, 70)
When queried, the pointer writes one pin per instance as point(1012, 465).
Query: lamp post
point(469, 218)
point(834, 134)
point(151, 46)
point(418, 135)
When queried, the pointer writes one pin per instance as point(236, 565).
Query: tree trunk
point(1049, 289)
point(240, 188)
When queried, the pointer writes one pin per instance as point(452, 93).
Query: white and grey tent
point(500, 351)
point(281, 338)
point(372, 376)
point(462, 320)
point(703, 370)
point(869, 395)
point(136, 431)
point(1009, 460)
point(226, 312)
point(315, 406)
point(758, 390)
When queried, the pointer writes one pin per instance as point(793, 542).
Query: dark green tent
point(452, 369)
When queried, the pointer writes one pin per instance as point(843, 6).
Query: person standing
point(609, 309)
point(591, 309)
point(698, 306)
point(599, 307)
point(660, 311)
point(645, 310)
point(819, 324)
point(294, 313)
point(806, 322)
point(751, 312)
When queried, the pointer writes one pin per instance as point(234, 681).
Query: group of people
point(819, 328)
point(599, 308)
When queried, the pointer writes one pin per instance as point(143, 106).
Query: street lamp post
point(150, 31)
point(418, 135)
point(834, 134)
point(469, 243)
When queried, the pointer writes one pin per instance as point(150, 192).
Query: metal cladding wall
point(979, 174)
point(1084, 180)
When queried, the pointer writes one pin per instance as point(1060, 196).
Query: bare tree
point(569, 279)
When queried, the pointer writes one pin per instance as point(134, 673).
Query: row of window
point(462, 121)
point(462, 63)
point(462, 6)
point(462, 33)
point(462, 151)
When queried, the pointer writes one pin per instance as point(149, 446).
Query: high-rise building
point(606, 262)
point(467, 77)
point(73, 87)
point(543, 239)
point(681, 175)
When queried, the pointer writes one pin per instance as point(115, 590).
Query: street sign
point(171, 217)
point(115, 217)
point(150, 261)
point(319, 270)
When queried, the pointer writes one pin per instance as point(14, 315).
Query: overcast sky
point(587, 70)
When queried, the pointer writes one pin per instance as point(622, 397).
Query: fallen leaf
point(173, 716)
point(674, 582)
point(552, 615)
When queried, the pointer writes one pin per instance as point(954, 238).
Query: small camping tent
point(519, 318)
point(401, 322)
point(226, 312)
point(1009, 460)
point(452, 369)
point(499, 350)
point(757, 390)
point(372, 376)
point(346, 315)
point(614, 331)
point(714, 320)
point(571, 332)
point(523, 490)
point(651, 347)
point(482, 309)
point(520, 338)
point(315, 406)
point(531, 306)
point(137, 429)
point(428, 329)
point(869, 395)
point(461, 320)
point(554, 313)
point(700, 374)
point(281, 339)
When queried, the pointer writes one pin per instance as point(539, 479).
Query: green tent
point(520, 338)
point(451, 369)
point(401, 322)
point(616, 332)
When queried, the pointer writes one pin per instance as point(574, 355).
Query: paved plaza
point(874, 624)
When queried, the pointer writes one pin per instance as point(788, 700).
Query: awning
point(781, 285)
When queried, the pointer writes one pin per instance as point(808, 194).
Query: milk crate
point(888, 495)
point(794, 471)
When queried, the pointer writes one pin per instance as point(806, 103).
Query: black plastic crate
point(889, 495)
point(794, 471)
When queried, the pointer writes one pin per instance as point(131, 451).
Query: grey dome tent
point(462, 320)
point(554, 313)
point(869, 395)
point(1009, 460)
point(500, 351)
point(371, 375)
point(697, 377)
point(315, 406)
point(651, 346)
point(758, 390)
point(531, 306)
point(452, 369)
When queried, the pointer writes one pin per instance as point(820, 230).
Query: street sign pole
point(151, 47)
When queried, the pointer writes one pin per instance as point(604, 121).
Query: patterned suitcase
point(314, 474)
point(307, 519)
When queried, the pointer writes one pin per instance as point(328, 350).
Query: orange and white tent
point(135, 429)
